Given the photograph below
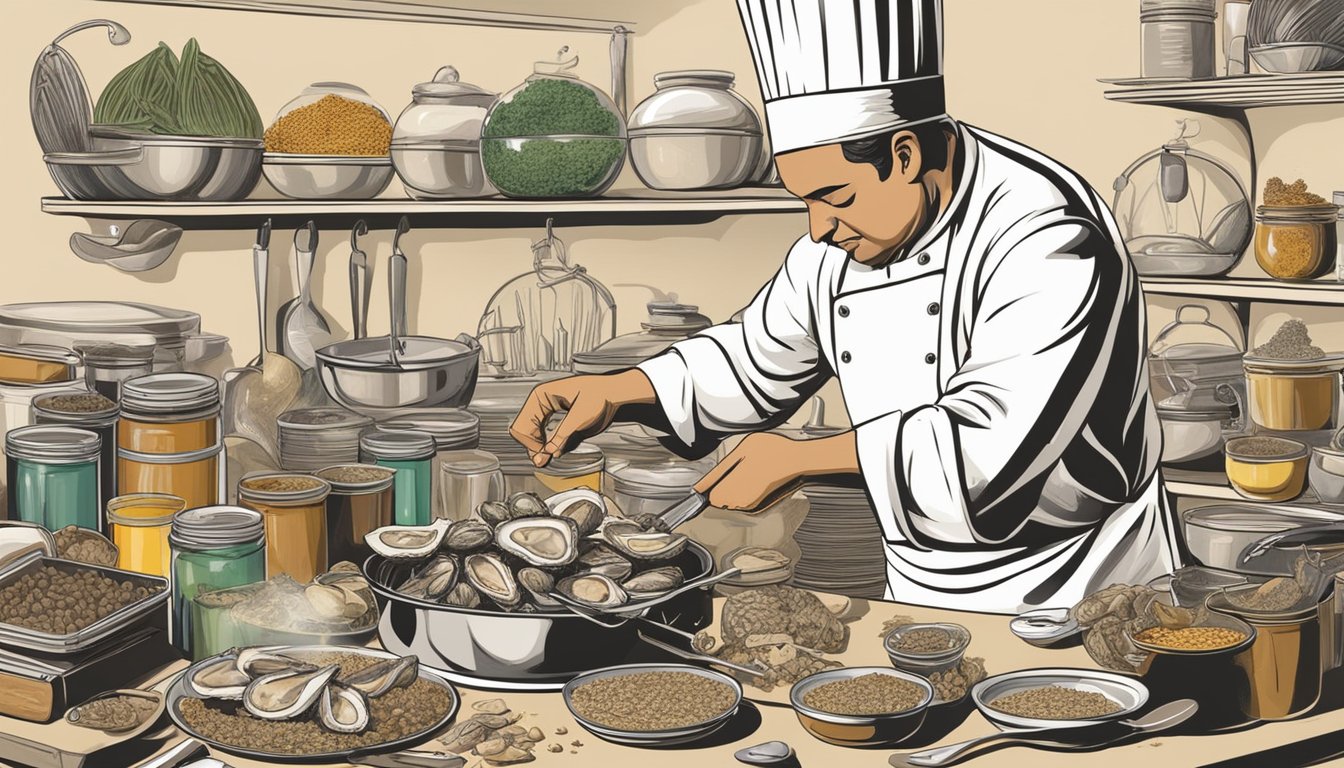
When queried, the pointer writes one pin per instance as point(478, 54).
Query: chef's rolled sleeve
point(968, 468)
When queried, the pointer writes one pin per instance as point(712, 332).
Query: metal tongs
point(396, 283)
point(361, 281)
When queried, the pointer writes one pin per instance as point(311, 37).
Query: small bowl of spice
point(1267, 468)
point(926, 649)
point(652, 704)
point(861, 706)
point(1057, 698)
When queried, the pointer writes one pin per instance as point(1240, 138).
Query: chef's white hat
point(837, 70)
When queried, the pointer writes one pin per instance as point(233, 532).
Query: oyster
point(492, 577)
point(343, 709)
point(343, 567)
point(546, 542)
point(653, 583)
point(593, 589)
point(286, 695)
point(613, 571)
point(494, 512)
point(468, 535)
point(582, 505)
point(539, 585)
point(606, 561)
point(327, 601)
point(255, 662)
point(403, 542)
point(612, 525)
point(526, 504)
point(432, 581)
point(375, 680)
point(462, 596)
point(218, 679)
point(646, 546)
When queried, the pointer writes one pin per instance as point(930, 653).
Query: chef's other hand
point(766, 467)
point(591, 403)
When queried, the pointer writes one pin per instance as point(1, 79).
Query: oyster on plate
point(219, 679)
point(468, 536)
point(343, 709)
point(582, 505)
point(607, 561)
point(258, 661)
point(539, 585)
point(462, 596)
point(645, 545)
point(493, 513)
point(407, 542)
point(379, 678)
point(433, 580)
point(492, 578)
point(545, 542)
point(286, 695)
point(593, 590)
point(526, 504)
point(650, 584)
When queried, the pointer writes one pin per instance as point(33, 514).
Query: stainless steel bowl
point(859, 730)
point(1217, 535)
point(1128, 693)
point(142, 167)
point(520, 651)
point(660, 738)
point(327, 177)
point(360, 375)
point(438, 170)
point(693, 158)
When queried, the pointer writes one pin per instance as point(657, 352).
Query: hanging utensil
point(302, 327)
point(361, 281)
point(396, 288)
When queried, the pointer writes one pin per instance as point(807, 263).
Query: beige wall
point(1026, 69)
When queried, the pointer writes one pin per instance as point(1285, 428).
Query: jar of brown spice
point(1296, 242)
point(293, 507)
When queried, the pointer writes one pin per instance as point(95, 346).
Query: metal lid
point(102, 318)
point(403, 445)
point(53, 445)
point(216, 527)
point(168, 394)
point(308, 489)
point(1316, 365)
point(48, 405)
point(1338, 197)
point(322, 419)
point(583, 460)
point(450, 427)
point(1202, 7)
point(117, 355)
point(45, 352)
point(19, 539)
point(332, 475)
point(167, 505)
point(472, 462)
point(1325, 213)
point(446, 86)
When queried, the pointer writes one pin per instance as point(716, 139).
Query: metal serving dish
point(1217, 535)
point(1127, 692)
point(859, 730)
point(132, 166)
point(520, 651)
point(178, 691)
point(150, 611)
point(666, 737)
point(435, 373)
point(327, 177)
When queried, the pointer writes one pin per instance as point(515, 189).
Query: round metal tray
point(1127, 692)
point(665, 737)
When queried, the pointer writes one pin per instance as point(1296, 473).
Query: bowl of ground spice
point(1267, 468)
point(861, 706)
point(1295, 233)
point(1057, 698)
point(926, 649)
point(332, 142)
point(652, 704)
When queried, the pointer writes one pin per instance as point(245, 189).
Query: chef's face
point(850, 207)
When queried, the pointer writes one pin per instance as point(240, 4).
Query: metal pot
point(520, 651)
point(1282, 669)
point(695, 132)
point(1217, 535)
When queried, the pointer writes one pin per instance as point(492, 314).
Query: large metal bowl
point(126, 166)
point(520, 651)
point(884, 730)
point(437, 373)
point(1217, 535)
point(327, 177)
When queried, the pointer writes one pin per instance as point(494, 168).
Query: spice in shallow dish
point(1191, 638)
point(652, 701)
point(925, 641)
point(870, 694)
point(332, 125)
point(1055, 702)
point(1291, 341)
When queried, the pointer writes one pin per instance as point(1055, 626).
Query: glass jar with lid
point(108, 365)
point(360, 502)
point(695, 132)
point(1192, 354)
point(313, 438)
point(294, 509)
point(1296, 242)
point(468, 479)
point(169, 440)
point(52, 476)
point(91, 411)
point(411, 454)
point(554, 136)
point(579, 468)
point(436, 143)
point(453, 429)
point(1293, 395)
point(213, 547)
point(140, 525)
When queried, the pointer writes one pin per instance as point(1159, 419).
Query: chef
point(975, 302)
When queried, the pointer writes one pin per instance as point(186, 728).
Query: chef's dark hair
point(876, 150)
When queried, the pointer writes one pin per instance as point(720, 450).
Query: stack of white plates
point(314, 438)
point(841, 544)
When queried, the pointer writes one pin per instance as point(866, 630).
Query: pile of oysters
point(273, 686)
point(513, 555)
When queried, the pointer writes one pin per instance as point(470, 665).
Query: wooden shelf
point(644, 207)
point(1315, 293)
point(1232, 93)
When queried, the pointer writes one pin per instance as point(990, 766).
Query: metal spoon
point(701, 657)
point(361, 281)
point(628, 611)
point(302, 328)
point(1166, 716)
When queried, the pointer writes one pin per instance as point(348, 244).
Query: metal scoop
point(302, 329)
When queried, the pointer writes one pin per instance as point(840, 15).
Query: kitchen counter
point(760, 722)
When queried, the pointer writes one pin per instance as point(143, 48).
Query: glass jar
point(694, 132)
point(436, 143)
point(107, 366)
point(579, 468)
point(411, 454)
point(1296, 242)
point(294, 509)
point(467, 480)
point(139, 526)
point(168, 438)
point(360, 503)
point(313, 438)
point(52, 476)
point(554, 136)
point(453, 429)
point(212, 548)
point(1293, 395)
point(91, 411)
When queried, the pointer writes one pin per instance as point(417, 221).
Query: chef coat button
point(844, 311)
point(930, 358)
point(845, 357)
point(923, 258)
point(933, 308)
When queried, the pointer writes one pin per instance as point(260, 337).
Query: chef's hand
point(591, 402)
point(766, 467)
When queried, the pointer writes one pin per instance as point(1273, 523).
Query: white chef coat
point(996, 376)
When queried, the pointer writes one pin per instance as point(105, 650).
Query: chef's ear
point(905, 155)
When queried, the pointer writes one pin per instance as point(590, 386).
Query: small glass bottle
point(411, 454)
point(213, 548)
point(467, 479)
point(139, 526)
point(52, 474)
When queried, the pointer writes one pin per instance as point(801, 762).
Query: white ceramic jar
point(436, 142)
point(695, 132)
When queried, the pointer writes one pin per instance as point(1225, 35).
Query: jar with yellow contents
point(294, 509)
point(1296, 242)
point(169, 439)
point(140, 525)
point(579, 468)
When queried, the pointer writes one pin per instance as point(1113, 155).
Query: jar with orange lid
point(1296, 242)
point(294, 509)
point(169, 438)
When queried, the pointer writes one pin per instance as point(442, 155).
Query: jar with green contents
point(91, 411)
point(213, 548)
point(411, 454)
point(53, 476)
